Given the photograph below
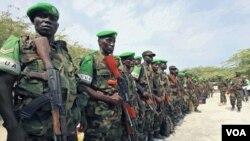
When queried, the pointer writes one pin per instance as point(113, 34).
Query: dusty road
point(205, 126)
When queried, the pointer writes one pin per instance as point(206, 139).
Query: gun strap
point(33, 106)
point(149, 88)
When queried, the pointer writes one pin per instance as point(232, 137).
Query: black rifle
point(58, 108)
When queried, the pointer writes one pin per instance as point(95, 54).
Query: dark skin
point(159, 99)
point(137, 62)
point(107, 45)
point(128, 64)
point(147, 61)
point(46, 26)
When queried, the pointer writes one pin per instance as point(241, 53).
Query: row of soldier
point(43, 97)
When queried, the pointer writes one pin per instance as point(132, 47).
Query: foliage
point(240, 61)
point(10, 26)
point(17, 26)
point(77, 52)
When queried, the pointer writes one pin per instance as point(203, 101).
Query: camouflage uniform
point(223, 89)
point(176, 94)
point(168, 106)
point(158, 90)
point(28, 88)
point(104, 119)
point(144, 80)
point(236, 87)
point(134, 102)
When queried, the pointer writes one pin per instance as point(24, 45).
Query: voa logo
point(236, 132)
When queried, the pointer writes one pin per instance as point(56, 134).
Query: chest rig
point(32, 83)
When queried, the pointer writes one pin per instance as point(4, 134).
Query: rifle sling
point(33, 106)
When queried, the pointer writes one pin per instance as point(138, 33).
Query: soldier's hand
point(146, 95)
point(17, 133)
point(115, 98)
point(163, 98)
point(158, 99)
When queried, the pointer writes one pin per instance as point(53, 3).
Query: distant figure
point(236, 88)
point(246, 83)
point(222, 86)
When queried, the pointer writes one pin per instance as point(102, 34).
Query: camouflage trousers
point(158, 120)
point(177, 113)
point(44, 138)
point(104, 122)
point(194, 100)
point(236, 95)
point(149, 121)
point(223, 98)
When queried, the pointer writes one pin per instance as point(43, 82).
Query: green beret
point(138, 58)
point(181, 74)
point(164, 61)
point(106, 33)
point(117, 57)
point(42, 7)
point(127, 54)
point(156, 62)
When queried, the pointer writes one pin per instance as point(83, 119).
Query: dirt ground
point(205, 126)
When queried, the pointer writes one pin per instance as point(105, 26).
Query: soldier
point(159, 96)
point(143, 76)
point(236, 88)
point(246, 84)
point(137, 60)
point(25, 63)
point(223, 87)
point(132, 98)
point(167, 126)
point(176, 92)
point(192, 96)
point(97, 72)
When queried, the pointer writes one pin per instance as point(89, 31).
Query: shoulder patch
point(136, 72)
point(86, 69)
point(9, 56)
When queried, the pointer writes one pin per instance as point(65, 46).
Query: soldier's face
point(107, 45)
point(137, 62)
point(129, 62)
point(148, 59)
point(155, 67)
point(163, 66)
point(173, 71)
point(45, 24)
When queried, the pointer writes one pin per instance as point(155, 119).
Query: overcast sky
point(187, 33)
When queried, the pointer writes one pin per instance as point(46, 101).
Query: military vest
point(237, 83)
point(29, 87)
point(95, 73)
point(146, 77)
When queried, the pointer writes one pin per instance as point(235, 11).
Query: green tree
point(240, 61)
point(10, 26)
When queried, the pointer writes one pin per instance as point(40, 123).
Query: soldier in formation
point(112, 98)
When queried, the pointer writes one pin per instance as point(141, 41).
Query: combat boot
point(164, 129)
point(150, 137)
point(239, 109)
point(157, 135)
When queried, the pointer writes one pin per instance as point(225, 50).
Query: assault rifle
point(58, 109)
point(129, 111)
